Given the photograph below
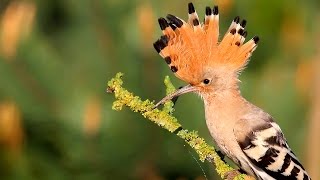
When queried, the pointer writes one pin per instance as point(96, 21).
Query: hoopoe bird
point(242, 131)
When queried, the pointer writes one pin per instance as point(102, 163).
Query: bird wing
point(266, 148)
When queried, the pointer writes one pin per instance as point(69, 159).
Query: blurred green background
point(56, 57)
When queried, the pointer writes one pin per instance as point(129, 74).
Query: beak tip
point(158, 104)
point(155, 107)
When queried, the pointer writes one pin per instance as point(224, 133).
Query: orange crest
point(189, 47)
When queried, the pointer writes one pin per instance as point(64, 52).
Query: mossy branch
point(164, 119)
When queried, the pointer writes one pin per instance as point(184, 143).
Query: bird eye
point(206, 81)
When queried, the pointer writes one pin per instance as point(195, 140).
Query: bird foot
point(230, 175)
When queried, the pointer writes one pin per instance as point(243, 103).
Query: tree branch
point(164, 119)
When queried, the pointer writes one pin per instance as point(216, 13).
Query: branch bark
point(164, 119)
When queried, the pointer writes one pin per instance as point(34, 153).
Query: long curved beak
point(186, 89)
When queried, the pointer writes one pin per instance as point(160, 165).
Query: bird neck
point(223, 97)
point(224, 104)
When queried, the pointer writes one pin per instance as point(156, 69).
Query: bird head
point(195, 55)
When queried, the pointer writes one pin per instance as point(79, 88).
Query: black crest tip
point(163, 23)
point(164, 39)
point(173, 27)
point(208, 11)
point(243, 23)
point(215, 10)
point(256, 39)
point(156, 47)
point(236, 19)
point(174, 20)
point(240, 31)
point(161, 43)
point(191, 8)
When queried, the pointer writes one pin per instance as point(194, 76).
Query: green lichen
point(164, 119)
point(168, 106)
point(126, 98)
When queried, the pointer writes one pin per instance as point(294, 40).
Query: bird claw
point(230, 175)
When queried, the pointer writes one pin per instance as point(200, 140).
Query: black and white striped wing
point(268, 151)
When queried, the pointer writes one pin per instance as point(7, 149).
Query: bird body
point(224, 106)
point(245, 133)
